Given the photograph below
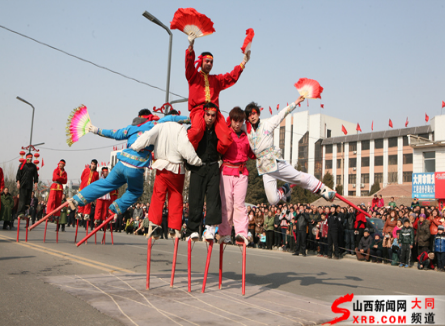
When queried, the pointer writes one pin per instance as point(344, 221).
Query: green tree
point(328, 180)
point(375, 187)
point(255, 188)
point(339, 189)
point(301, 195)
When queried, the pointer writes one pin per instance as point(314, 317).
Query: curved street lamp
point(32, 121)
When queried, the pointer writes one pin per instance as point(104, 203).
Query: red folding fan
point(248, 40)
point(309, 88)
point(188, 20)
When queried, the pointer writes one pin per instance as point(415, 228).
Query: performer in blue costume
point(131, 164)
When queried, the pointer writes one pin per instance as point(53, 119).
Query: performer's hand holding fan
point(309, 88)
point(247, 44)
point(78, 124)
point(192, 23)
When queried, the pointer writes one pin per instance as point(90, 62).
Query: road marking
point(68, 256)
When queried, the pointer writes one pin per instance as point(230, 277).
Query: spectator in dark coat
point(376, 249)
point(302, 221)
point(422, 238)
point(364, 247)
point(348, 227)
point(334, 225)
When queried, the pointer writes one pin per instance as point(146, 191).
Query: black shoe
point(336, 258)
point(156, 232)
point(304, 254)
point(295, 253)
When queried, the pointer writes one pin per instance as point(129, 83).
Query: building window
point(429, 161)
point(303, 152)
point(392, 177)
point(405, 140)
point(352, 146)
point(425, 136)
point(351, 193)
point(364, 193)
point(392, 142)
point(352, 179)
point(378, 144)
point(339, 163)
point(408, 158)
point(378, 161)
point(328, 133)
point(282, 135)
point(365, 178)
point(328, 164)
point(392, 160)
point(365, 145)
point(338, 180)
point(352, 162)
point(318, 163)
point(365, 161)
point(407, 176)
point(339, 148)
point(378, 177)
point(329, 148)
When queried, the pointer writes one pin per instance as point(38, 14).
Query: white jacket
point(261, 141)
point(171, 147)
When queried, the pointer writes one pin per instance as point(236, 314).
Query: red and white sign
point(439, 185)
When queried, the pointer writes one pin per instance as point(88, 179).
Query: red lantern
point(38, 168)
point(36, 155)
point(22, 160)
point(36, 162)
point(22, 153)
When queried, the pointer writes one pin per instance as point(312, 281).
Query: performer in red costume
point(205, 88)
point(2, 183)
point(104, 201)
point(89, 175)
point(60, 178)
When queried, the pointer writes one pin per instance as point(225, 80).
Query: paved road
point(26, 268)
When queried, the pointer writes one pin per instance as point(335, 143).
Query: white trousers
point(289, 174)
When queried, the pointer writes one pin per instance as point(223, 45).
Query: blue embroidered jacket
point(131, 133)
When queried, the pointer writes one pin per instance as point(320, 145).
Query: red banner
point(439, 185)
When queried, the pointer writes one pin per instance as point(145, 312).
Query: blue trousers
point(118, 176)
point(349, 241)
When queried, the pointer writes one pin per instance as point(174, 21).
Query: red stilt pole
point(57, 231)
point(95, 236)
point(27, 224)
point(147, 283)
point(103, 238)
point(88, 222)
point(189, 265)
point(111, 231)
point(244, 270)
point(221, 253)
point(352, 205)
point(95, 230)
point(18, 229)
point(44, 234)
point(77, 227)
point(175, 254)
point(65, 204)
point(209, 255)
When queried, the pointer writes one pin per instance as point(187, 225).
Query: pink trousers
point(233, 191)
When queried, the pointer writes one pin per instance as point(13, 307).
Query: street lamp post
point(32, 121)
point(153, 19)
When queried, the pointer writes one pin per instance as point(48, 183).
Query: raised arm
point(186, 149)
point(275, 121)
point(146, 139)
point(117, 134)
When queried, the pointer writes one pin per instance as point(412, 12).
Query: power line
point(10, 160)
point(90, 62)
point(69, 150)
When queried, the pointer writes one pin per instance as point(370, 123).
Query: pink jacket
point(238, 152)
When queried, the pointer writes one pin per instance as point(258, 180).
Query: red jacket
point(2, 180)
point(203, 87)
point(60, 177)
point(87, 178)
point(375, 202)
point(113, 195)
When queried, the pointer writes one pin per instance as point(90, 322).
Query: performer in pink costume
point(234, 180)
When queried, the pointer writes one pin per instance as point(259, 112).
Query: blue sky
point(375, 59)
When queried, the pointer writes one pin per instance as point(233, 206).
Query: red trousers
point(86, 210)
point(54, 200)
point(196, 132)
point(166, 181)
point(101, 209)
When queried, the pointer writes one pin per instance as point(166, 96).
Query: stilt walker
point(203, 87)
point(27, 178)
point(233, 188)
point(270, 164)
point(171, 147)
point(60, 178)
point(102, 205)
point(130, 167)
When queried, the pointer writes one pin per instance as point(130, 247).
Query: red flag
point(307, 102)
point(443, 104)
point(278, 107)
point(358, 129)
point(270, 110)
point(390, 124)
point(299, 104)
point(426, 117)
point(322, 105)
point(287, 104)
point(406, 123)
point(372, 126)
point(43, 164)
point(261, 109)
point(343, 129)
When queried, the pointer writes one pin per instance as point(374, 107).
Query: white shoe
point(327, 193)
point(226, 239)
point(209, 233)
point(86, 217)
point(72, 203)
point(174, 233)
point(241, 238)
point(79, 216)
point(156, 231)
point(193, 236)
